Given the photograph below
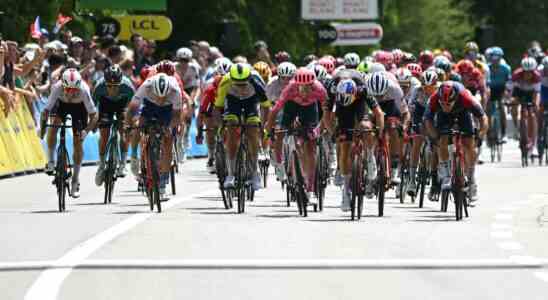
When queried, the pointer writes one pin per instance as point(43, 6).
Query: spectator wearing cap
point(76, 49)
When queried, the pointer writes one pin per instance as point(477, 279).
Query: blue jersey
point(499, 75)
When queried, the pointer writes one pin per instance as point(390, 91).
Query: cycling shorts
point(524, 97)
point(247, 109)
point(77, 111)
point(308, 115)
point(153, 112)
point(390, 109)
point(544, 95)
point(464, 122)
point(107, 110)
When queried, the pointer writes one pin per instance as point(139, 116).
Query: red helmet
point(327, 63)
point(304, 76)
point(426, 58)
point(465, 67)
point(415, 69)
point(144, 72)
point(282, 56)
point(447, 54)
point(165, 67)
point(447, 92)
point(384, 57)
point(398, 56)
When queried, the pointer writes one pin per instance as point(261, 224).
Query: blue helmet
point(497, 51)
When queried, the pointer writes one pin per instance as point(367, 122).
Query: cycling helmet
point(471, 47)
point(184, 54)
point(320, 71)
point(398, 56)
point(426, 58)
point(363, 66)
point(384, 57)
point(404, 76)
point(327, 63)
point(222, 65)
point(447, 92)
point(465, 66)
point(346, 92)
point(415, 69)
point(429, 77)
point(113, 75)
point(240, 71)
point(160, 84)
point(442, 62)
point(304, 76)
point(71, 79)
point(529, 64)
point(448, 54)
point(454, 76)
point(309, 58)
point(282, 56)
point(263, 69)
point(497, 51)
point(351, 60)
point(440, 72)
point(376, 67)
point(165, 67)
point(408, 58)
point(286, 69)
point(377, 84)
point(339, 61)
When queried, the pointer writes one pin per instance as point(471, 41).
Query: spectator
point(262, 54)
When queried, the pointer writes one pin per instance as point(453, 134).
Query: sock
point(76, 175)
point(124, 158)
point(346, 179)
point(412, 172)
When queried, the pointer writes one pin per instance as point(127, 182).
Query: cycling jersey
point(418, 102)
point(208, 96)
point(475, 81)
point(291, 93)
point(500, 74)
point(173, 97)
point(191, 77)
point(544, 86)
point(525, 85)
point(234, 99)
point(83, 96)
point(274, 88)
point(391, 102)
point(108, 106)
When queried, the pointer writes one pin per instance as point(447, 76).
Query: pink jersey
point(291, 93)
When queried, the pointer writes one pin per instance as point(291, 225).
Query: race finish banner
point(339, 9)
point(148, 5)
point(355, 34)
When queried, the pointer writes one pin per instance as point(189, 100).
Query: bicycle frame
point(63, 170)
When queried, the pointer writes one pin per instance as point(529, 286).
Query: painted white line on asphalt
point(509, 208)
point(501, 234)
point(46, 287)
point(513, 262)
point(510, 245)
point(499, 226)
point(542, 276)
point(502, 216)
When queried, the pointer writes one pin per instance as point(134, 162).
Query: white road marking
point(510, 245)
point(542, 276)
point(509, 208)
point(499, 226)
point(46, 287)
point(502, 216)
point(427, 263)
point(501, 234)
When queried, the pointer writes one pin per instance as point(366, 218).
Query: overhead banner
point(151, 27)
point(355, 34)
point(340, 9)
point(154, 5)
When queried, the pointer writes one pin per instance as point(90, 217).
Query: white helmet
point(321, 72)
point(71, 78)
point(429, 77)
point(184, 53)
point(222, 65)
point(544, 62)
point(376, 67)
point(160, 84)
point(529, 64)
point(286, 69)
point(404, 75)
point(377, 85)
point(351, 60)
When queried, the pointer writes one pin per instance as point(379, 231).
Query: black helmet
point(113, 75)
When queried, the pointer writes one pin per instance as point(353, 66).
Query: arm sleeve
point(222, 91)
point(53, 97)
point(283, 99)
point(471, 104)
point(88, 102)
point(432, 107)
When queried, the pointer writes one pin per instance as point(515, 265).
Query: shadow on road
point(47, 212)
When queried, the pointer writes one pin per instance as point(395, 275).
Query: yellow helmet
point(263, 69)
point(471, 46)
point(240, 72)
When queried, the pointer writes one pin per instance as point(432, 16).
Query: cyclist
point(112, 95)
point(385, 89)
point(241, 90)
point(328, 64)
point(350, 103)
point(453, 105)
point(526, 91)
point(473, 79)
point(386, 59)
point(189, 72)
point(426, 59)
point(418, 103)
point(159, 98)
point(407, 82)
point(501, 74)
point(298, 100)
point(351, 60)
point(70, 96)
point(205, 115)
point(286, 72)
point(264, 70)
point(543, 70)
point(471, 53)
point(416, 69)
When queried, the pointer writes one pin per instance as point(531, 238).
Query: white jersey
point(191, 77)
point(146, 91)
point(82, 96)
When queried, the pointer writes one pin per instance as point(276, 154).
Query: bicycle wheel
point(299, 184)
point(241, 177)
point(109, 175)
point(382, 160)
point(61, 178)
point(172, 172)
point(321, 176)
point(457, 187)
point(445, 200)
point(153, 155)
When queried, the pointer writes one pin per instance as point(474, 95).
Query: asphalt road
point(196, 249)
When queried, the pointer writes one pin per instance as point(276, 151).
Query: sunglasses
point(71, 90)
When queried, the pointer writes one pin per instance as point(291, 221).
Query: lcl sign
point(153, 27)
